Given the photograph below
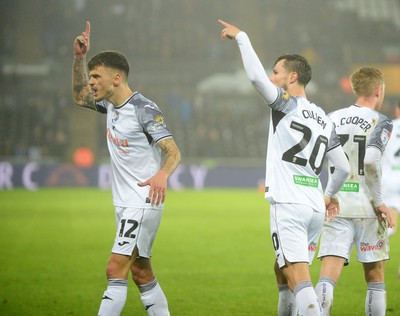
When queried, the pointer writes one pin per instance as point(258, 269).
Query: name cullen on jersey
point(312, 115)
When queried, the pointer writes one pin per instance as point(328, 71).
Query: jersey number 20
point(290, 155)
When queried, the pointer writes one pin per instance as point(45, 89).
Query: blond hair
point(365, 80)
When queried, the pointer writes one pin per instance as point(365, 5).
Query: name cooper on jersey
point(355, 120)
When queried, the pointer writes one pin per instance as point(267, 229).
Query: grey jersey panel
point(285, 104)
point(378, 135)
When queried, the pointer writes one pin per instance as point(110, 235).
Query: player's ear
point(117, 79)
point(293, 76)
point(377, 91)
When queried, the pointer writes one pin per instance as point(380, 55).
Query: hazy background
point(178, 60)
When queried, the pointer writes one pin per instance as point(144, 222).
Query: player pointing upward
point(300, 136)
point(136, 136)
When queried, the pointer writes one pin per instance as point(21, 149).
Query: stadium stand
point(173, 46)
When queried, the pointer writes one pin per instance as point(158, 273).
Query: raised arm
point(81, 92)
point(252, 64)
point(158, 183)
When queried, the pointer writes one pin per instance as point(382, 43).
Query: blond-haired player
point(364, 218)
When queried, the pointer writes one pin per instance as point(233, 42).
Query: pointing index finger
point(223, 23)
point(87, 31)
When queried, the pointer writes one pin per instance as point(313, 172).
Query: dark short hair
point(110, 59)
point(298, 64)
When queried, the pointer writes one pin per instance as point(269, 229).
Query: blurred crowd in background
point(178, 60)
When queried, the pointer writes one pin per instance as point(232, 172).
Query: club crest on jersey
point(115, 118)
point(385, 136)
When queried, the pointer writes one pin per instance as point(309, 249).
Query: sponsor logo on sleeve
point(385, 136)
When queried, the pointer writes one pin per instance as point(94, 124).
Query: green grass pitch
point(212, 255)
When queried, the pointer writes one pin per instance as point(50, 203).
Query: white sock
point(287, 301)
point(153, 299)
point(375, 301)
point(324, 290)
point(306, 299)
point(114, 298)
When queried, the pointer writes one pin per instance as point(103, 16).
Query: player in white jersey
point(391, 171)
point(136, 137)
point(363, 133)
point(300, 137)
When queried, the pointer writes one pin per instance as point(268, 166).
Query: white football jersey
point(133, 129)
point(358, 128)
point(391, 166)
point(299, 137)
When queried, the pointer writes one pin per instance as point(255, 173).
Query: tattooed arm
point(173, 155)
point(158, 183)
point(81, 92)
